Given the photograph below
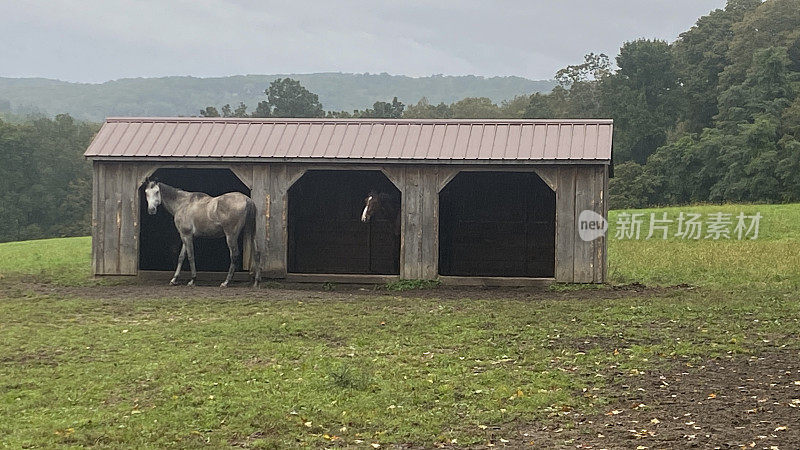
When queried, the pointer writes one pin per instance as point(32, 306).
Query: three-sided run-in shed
point(481, 201)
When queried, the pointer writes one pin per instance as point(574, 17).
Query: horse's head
point(153, 194)
point(371, 205)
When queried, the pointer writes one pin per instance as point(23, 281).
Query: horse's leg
point(188, 244)
point(233, 246)
point(181, 258)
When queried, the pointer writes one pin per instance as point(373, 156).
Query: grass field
point(84, 363)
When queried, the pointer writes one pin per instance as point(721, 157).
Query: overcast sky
point(100, 40)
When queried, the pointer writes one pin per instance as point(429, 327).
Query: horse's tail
point(250, 238)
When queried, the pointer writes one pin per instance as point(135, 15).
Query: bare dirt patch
point(311, 291)
point(734, 402)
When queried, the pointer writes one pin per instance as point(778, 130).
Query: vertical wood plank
point(260, 195)
point(412, 233)
point(565, 224)
point(97, 237)
point(429, 222)
point(128, 256)
point(584, 200)
point(604, 197)
point(110, 210)
point(276, 247)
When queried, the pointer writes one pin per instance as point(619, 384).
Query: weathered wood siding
point(419, 248)
point(115, 224)
point(579, 188)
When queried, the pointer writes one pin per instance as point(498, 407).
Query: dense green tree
point(766, 90)
point(642, 97)
point(288, 98)
point(385, 110)
point(475, 108)
point(424, 110)
point(700, 55)
point(209, 111)
point(773, 23)
point(45, 183)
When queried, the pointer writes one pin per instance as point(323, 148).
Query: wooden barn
point(492, 202)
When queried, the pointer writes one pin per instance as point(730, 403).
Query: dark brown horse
point(381, 204)
point(200, 215)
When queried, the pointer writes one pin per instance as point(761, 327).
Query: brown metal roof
point(353, 139)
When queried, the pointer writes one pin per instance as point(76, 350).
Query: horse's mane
point(168, 191)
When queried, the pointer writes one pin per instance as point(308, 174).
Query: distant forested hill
point(171, 96)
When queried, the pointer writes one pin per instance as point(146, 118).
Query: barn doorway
point(498, 224)
point(159, 241)
point(325, 232)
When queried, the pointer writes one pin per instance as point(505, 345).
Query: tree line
point(711, 117)
point(45, 183)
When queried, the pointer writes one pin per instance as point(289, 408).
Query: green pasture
point(83, 364)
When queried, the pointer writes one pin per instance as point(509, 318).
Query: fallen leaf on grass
point(712, 395)
point(655, 421)
point(614, 412)
point(781, 428)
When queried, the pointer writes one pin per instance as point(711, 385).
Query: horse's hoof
point(255, 285)
point(173, 282)
point(224, 284)
point(190, 283)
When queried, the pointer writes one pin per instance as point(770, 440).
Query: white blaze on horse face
point(364, 217)
point(153, 194)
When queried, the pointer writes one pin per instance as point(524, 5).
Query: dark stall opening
point(159, 241)
point(497, 224)
point(325, 232)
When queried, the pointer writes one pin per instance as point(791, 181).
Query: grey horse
point(200, 215)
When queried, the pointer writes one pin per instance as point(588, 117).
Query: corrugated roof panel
point(412, 139)
point(433, 150)
point(564, 142)
point(115, 137)
point(459, 142)
point(332, 149)
point(287, 136)
point(374, 140)
point(354, 139)
point(387, 139)
point(592, 133)
point(217, 149)
point(359, 147)
point(144, 133)
point(270, 148)
point(528, 137)
point(236, 140)
point(512, 142)
point(248, 140)
point(578, 142)
point(153, 133)
point(200, 140)
point(498, 149)
point(127, 138)
point(471, 150)
point(395, 150)
point(603, 142)
point(487, 142)
point(299, 141)
point(550, 149)
point(161, 141)
point(172, 143)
